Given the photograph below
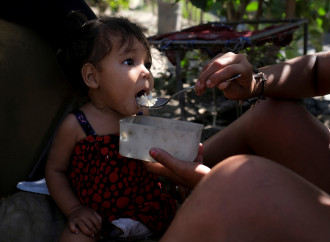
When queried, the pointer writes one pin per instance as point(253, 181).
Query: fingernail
point(223, 85)
point(208, 83)
point(153, 153)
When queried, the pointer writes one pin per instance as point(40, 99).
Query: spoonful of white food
point(146, 100)
point(149, 101)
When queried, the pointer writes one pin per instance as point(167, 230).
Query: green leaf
point(290, 53)
point(251, 7)
point(202, 4)
point(321, 11)
point(319, 22)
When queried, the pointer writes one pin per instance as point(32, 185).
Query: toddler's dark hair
point(91, 41)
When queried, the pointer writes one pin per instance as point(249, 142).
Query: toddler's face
point(125, 74)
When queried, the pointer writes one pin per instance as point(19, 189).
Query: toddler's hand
point(85, 220)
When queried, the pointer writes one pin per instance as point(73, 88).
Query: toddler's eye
point(129, 62)
point(148, 65)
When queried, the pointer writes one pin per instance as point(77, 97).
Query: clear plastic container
point(141, 133)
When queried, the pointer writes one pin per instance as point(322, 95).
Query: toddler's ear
point(88, 73)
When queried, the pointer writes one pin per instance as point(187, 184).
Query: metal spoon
point(162, 101)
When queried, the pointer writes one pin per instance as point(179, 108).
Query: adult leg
point(280, 130)
point(249, 198)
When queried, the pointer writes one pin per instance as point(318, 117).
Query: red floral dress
point(116, 186)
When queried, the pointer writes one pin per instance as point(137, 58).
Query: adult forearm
point(300, 77)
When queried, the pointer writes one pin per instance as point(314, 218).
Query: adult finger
point(217, 71)
point(200, 85)
point(223, 74)
point(188, 173)
point(199, 157)
point(167, 160)
point(157, 168)
point(161, 170)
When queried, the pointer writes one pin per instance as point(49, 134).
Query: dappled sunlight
point(286, 72)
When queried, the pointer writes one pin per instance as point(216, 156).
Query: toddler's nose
point(146, 73)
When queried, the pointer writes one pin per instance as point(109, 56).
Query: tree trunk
point(241, 10)
point(230, 10)
point(189, 10)
point(290, 9)
point(201, 16)
point(259, 13)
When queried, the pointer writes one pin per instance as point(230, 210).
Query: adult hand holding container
point(141, 133)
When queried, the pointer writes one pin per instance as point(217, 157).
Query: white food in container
point(141, 133)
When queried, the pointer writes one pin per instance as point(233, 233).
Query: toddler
point(102, 193)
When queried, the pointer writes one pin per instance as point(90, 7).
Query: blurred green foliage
point(114, 5)
point(315, 11)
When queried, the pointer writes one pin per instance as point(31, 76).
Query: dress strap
point(83, 122)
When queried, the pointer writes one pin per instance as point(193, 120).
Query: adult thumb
point(172, 163)
point(161, 156)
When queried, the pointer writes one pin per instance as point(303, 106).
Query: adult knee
point(272, 112)
point(240, 166)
